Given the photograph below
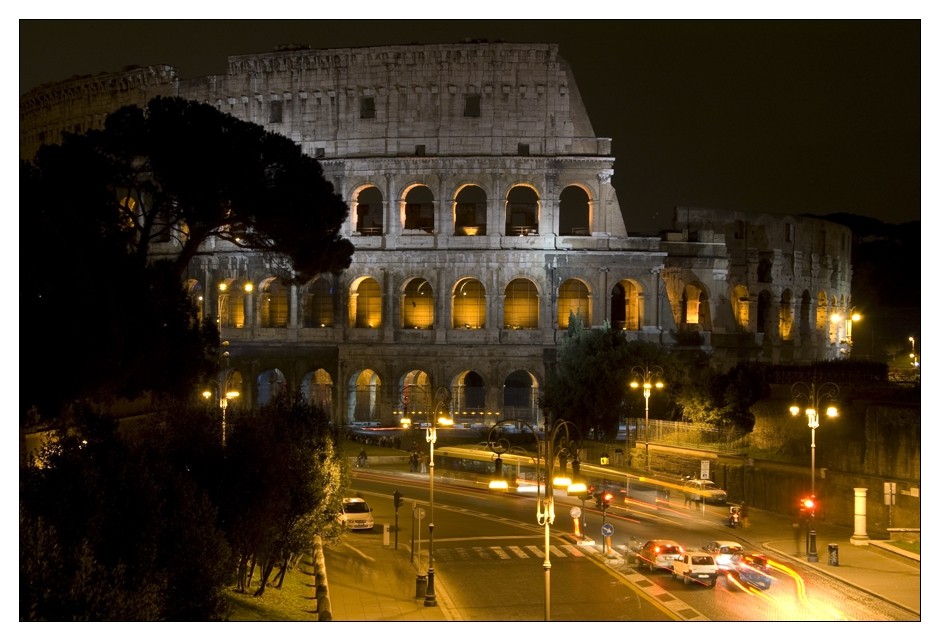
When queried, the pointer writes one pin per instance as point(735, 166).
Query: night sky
point(781, 116)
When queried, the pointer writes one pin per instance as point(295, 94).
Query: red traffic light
point(607, 498)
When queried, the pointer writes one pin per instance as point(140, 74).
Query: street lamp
point(405, 420)
point(557, 443)
point(915, 360)
point(807, 398)
point(644, 378)
point(224, 399)
point(442, 417)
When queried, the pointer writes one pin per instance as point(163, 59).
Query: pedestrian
point(363, 458)
point(413, 460)
point(424, 463)
point(744, 521)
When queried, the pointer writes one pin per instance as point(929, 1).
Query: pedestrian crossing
point(506, 552)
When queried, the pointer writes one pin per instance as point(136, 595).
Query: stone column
point(860, 537)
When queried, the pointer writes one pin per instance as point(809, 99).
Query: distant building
point(482, 214)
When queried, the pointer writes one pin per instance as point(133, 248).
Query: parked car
point(723, 551)
point(704, 489)
point(750, 568)
point(356, 514)
point(659, 553)
point(696, 566)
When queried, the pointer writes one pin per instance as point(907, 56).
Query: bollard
point(386, 538)
point(833, 554)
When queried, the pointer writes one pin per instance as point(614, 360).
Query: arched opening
point(786, 315)
point(369, 212)
point(195, 293)
point(469, 304)
point(625, 313)
point(470, 399)
point(318, 304)
point(232, 295)
point(365, 304)
point(271, 383)
point(316, 388)
point(574, 216)
point(470, 212)
point(419, 209)
point(363, 397)
point(521, 306)
point(522, 212)
point(520, 397)
point(275, 308)
point(416, 397)
point(573, 298)
point(742, 307)
point(695, 313)
point(417, 305)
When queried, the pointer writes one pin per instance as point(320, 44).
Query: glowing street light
point(443, 418)
point(644, 379)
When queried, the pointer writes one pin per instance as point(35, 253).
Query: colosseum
point(483, 216)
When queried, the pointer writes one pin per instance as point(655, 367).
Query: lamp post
point(224, 399)
point(405, 420)
point(643, 377)
point(442, 417)
point(557, 442)
point(807, 398)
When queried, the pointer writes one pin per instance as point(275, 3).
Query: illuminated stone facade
point(482, 214)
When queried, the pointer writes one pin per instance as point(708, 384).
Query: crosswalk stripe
point(555, 551)
point(518, 551)
point(506, 552)
point(498, 551)
point(572, 550)
point(535, 551)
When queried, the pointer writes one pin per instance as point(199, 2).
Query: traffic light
point(607, 498)
point(499, 466)
point(808, 505)
point(397, 496)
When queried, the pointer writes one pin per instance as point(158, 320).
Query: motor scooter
point(734, 516)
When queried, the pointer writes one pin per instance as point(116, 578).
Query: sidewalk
point(373, 582)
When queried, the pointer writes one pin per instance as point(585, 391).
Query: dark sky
point(781, 116)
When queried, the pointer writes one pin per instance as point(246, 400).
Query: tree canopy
point(109, 222)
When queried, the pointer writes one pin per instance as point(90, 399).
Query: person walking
point(424, 462)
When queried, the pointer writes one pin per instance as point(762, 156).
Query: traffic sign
point(607, 529)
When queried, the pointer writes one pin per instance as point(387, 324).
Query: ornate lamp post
point(647, 378)
point(224, 399)
point(441, 417)
point(807, 398)
point(557, 443)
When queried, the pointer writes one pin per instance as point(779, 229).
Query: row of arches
point(469, 214)
point(470, 304)
point(367, 398)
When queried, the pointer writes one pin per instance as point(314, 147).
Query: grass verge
point(294, 601)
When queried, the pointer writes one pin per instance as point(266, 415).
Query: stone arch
point(742, 307)
point(417, 208)
point(270, 384)
point(626, 311)
point(415, 396)
point(368, 208)
point(417, 304)
point(274, 303)
point(316, 388)
point(696, 313)
point(520, 397)
point(468, 308)
point(574, 211)
point(232, 307)
point(365, 303)
point(470, 211)
point(317, 303)
point(574, 297)
point(363, 394)
point(469, 402)
point(521, 304)
point(785, 315)
point(522, 211)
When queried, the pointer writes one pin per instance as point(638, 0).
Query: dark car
point(659, 553)
point(750, 568)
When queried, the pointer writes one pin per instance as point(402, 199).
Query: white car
point(357, 514)
point(705, 489)
point(723, 551)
